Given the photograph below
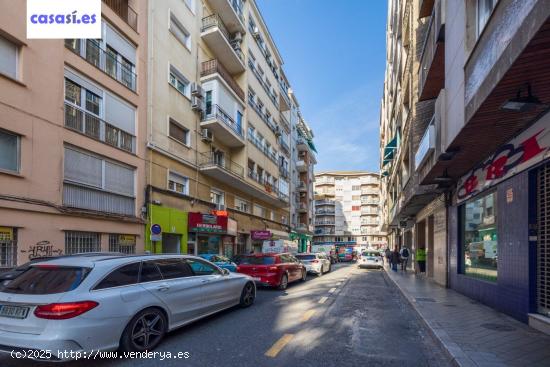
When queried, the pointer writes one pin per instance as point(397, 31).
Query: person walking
point(421, 259)
point(388, 256)
point(404, 258)
point(395, 258)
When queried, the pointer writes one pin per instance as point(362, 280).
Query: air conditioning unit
point(196, 90)
point(255, 32)
point(196, 103)
point(206, 135)
point(237, 37)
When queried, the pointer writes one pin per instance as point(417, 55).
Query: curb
point(454, 351)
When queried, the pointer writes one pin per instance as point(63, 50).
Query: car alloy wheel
point(248, 295)
point(145, 331)
point(284, 282)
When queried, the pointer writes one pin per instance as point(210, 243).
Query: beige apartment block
point(347, 209)
point(72, 137)
point(219, 131)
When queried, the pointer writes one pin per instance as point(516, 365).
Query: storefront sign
point(207, 223)
point(524, 151)
point(260, 235)
point(126, 239)
point(231, 227)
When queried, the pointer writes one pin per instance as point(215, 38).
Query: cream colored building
point(347, 209)
point(219, 132)
point(72, 137)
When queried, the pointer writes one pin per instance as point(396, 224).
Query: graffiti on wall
point(42, 249)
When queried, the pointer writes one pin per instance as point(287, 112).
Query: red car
point(273, 270)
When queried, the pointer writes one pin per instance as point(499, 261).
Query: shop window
point(125, 243)
point(78, 242)
point(479, 237)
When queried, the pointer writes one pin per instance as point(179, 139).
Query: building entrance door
point(171, 243)
point(543, 240)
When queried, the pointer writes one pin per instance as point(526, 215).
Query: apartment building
point(347, 209)
point(72, 137)
point(485, 149)
point(219, 136)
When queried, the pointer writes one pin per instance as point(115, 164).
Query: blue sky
point(334, 53)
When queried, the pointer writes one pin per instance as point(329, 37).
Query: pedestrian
point(421, 259)
point(388, 256)
point(404, 258)
point(395, 259)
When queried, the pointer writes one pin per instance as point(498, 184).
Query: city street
point(348, 317)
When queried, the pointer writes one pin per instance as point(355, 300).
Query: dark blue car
point(221, 261)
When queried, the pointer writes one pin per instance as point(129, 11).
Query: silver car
point(317, 263)
point(98, 302)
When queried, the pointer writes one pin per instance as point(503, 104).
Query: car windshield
point(46, 279)
point(256, 260)
point(306, 257)
point(370, 254)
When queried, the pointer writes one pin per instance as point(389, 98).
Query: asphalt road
point(349, 317)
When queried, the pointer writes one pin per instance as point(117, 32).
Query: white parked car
point(315, 263)
point(108, 302)
point(370, 259)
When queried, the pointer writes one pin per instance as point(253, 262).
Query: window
point(484, 10)
point(8, 247)
point(9, 53)
point(356, 208)
point(178, 132)
point(78, 242)
point(242, 205)
point(217, 197)
point(125, 275)
point(125, 243)
point(356, 188)
point(9, 151)
point(178, 81)
point(47, 280)
point(191, 5)
point(251, 131)
point(179, 31)
point(208, 102)
point(259, 211)
point(149, 272)
point(479, 237)
point(178, 183)
point(173, 268)
point(202, 268)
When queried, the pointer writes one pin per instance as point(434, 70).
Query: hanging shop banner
point(524, 151)
point(260, 235)
point(207, 223)
point(231, 227)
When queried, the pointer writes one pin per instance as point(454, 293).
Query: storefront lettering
point(42, 249)
point(519, 154)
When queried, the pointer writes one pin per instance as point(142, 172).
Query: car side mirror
point(226, 272)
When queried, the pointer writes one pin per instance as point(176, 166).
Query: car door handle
point(205, 280)
point(163, 288)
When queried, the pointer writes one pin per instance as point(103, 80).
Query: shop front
point(258, 237)
point(212, 234)
point(303, 240)
point(166, 230)
point(499, 248)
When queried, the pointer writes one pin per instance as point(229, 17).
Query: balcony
point(123, 10)
point(431, 73)
point(269, 192)
point(301, 166)
point(284, 99)
point(426, 8)
point(265, 118)
point(284, 122)
point(302, 227)
point(86, 123)
point(212, 68)
point(217, 37)
point(224, 128)
point(302, 208)
point(324, 231)
point(263, 83)
point(284, 146)
point(302, 145)
point(90, 198)
point(231, 14)
point(302, 187)
point(324, 202)
point(283, 171)
point(232, 174)
point(98, 57)
point(325, 222)
point(323, 212)
point(263, 148)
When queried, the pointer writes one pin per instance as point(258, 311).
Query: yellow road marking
point(323, 300)
point(332, 290)
point(308, 315)
point(279, 345)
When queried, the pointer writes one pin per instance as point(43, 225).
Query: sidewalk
point(473, 334)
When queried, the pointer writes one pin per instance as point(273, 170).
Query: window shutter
point(120, 44)
point(119, 179)
point(82, 168)
point(120, 114)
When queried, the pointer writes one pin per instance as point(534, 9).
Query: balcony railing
point(124, 11)
point(104, 61)
point(324, 202)
point(94, 127)
point(269, 186)
point(212, 67)
point(264, 85)
point(283, 144)
point(283, 171)
point(263, 148)
point(212, 159)
point(324, 222)
point(235, 5)
point(262, 115)
point(324, 212)
point(216, 112)
point(214, 20)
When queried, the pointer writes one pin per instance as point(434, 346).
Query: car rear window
point(257, 260)
point(306, 257)
point(370, 254)
point(47, 280)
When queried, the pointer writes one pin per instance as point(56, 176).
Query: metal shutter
point(543, 247)
point(82, 168)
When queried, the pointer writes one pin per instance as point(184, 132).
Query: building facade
point(485, 151)
point(347, 209)
point(72, 137)
point(219, 139)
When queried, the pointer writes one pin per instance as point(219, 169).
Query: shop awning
point(390, 148)
point(311, 146)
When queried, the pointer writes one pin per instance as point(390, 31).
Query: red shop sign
point(207, 223)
